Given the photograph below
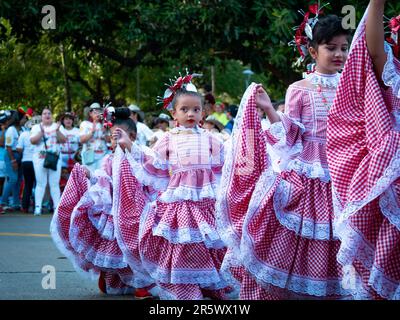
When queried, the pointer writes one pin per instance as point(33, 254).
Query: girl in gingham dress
point(178, 242)
point(83, 226)
point(364, 158)
point(278, 226)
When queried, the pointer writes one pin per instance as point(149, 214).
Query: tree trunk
point(67, 90)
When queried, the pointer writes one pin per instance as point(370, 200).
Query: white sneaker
point(37, 213)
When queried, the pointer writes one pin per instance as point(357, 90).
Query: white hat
point(134, 107)
point(95, 105)
point(164, 116)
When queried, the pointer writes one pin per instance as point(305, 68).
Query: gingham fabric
point(76, 186)
point(286, 241)
point(129, 203)
point(91, 227)
point(364, 160)
point(245, 159)
point(174, 263)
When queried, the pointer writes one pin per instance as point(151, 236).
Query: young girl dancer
point(83, 226)
point(363, 155)
point(179, 245)
point(279, 226)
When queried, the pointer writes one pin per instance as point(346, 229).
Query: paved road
point(25, 248)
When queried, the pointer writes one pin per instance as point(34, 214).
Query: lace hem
point(224, 223)
point(205, 233)
point(189, 193)
point(267, 275)
point(306, 228)
point(97, 213)
point(389, 207)
point(99, 259)
point(140, 173)
point(390, 75)
point(62, 246)
point(279, 132)
point(205, 278)
point(391, 173)
point(385, 287)
point(312, 171)
point(141, 278)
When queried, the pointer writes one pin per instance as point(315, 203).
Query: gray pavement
point(25, 248)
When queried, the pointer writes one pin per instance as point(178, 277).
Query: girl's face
point(188, 111)
point(47, 118)
point(330, 57)
point(132, 135)
point(67, 122)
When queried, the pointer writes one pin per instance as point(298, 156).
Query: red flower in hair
point(314, 8)
point(395, 24)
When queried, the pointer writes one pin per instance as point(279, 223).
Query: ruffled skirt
point(181, 249)
point(288, 244)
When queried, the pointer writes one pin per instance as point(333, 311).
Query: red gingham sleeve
point(362, 142)
point(150, 166)
point(285, 136)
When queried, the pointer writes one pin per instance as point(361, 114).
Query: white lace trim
point(390, 74)
point(390, 208)
point(189, 193)
point(223, 221)
point(205, 278)
point(157, 183)
point(391, 173)
point(138, 152)
point(61, 245)
point(387, 288)
point(268, 275)
point(324, 80)
point(178, 129)
point(99, 259)
point(141, 278)
point(204, 233)
point(98, 202)
point(354, 246)
point(302, 226)
point(312, 171)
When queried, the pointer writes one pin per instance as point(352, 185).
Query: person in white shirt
point(71, 146)
point(93, 138)
point(49, 131)
point(26, 148)
point(144, 133)
point(13, 163)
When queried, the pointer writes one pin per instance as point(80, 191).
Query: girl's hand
point(58, 125)
point(87, 171)
point(122, 138)
point(263, 100)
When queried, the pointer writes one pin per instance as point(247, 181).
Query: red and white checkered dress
point(83, 229)
point(179, 245)
point(286, 240)
point(364, 159)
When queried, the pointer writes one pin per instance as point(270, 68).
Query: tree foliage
point(107, 44)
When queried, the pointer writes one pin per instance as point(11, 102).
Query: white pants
point(44, 176)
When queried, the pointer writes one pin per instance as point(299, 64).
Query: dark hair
point(233, 110)
point(158, 120)
point(122, 118)
point(326, 29)
point(277, 103)
point(14, 118)
point(184, 92)
point(209, 98)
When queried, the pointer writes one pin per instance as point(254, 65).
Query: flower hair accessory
point(177, 84)
point(108, 116)
point(304, 32)
point(393, 39)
